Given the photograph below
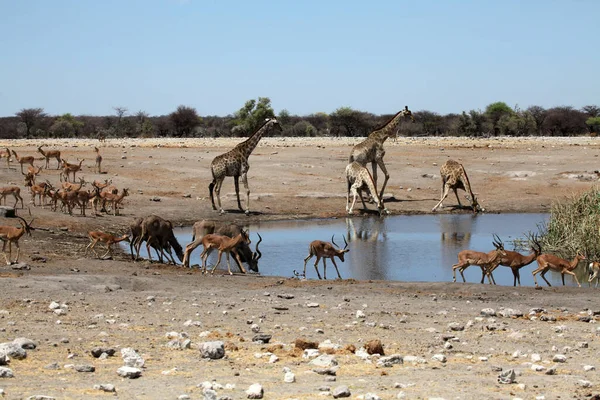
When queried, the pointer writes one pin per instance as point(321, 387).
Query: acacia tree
point(30, 117)
point(346, 121)
point(251, 116)
point(539, 115)
point(184, 120)
point(495, 112)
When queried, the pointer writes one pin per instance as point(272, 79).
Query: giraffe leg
point(446, 189)
point(218, 193)
point(355, 194)
point(385, 181)
point(245, 182)
point(457, 198)
point(236, 181)
point(362, 199)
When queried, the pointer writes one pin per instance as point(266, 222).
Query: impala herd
point(232, 239)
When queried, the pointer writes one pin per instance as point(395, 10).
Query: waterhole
point(400, 248)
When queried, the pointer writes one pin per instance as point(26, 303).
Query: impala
point(486, 261)
point(327, 250)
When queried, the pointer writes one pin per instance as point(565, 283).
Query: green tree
point(66, 126)
point(495, 111)
point(30, 117)
point(594, 124)
point(184, 120)
point(251, 116)
point(346, 121)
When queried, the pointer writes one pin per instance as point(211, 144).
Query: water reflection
point(405, 248)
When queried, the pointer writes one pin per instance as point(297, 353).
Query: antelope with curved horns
point(325, 250)
point(12, 234)
point(486, 261)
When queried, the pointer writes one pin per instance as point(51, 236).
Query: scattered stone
point(324, 360)
point(40, 397)
point(439, 357)
point(310, 353)
point(264, 339)
point(510, 313)
point(178, 344)
point(536, 358)
point(255, 328)
point(98, 351)
point(106, 387)
point(584, 383)
point(84, 368)
point(129, 372)
point(455, 326)
point(589, 368)
point(131, 358)
point(389, 361)
point(286, 296)
point(561, 358)
point(289, 377)
point(340, 392)
point(255, 391)
point(584, 318)
point(12, 350)
point(312, 305)
point(3, 359)
point(374, 347)
point(551, 371)
point(6, 373)
point(273, 359)
point(304, 344)
point(371, 396)
point(582, 345)
point(212, 350)
point(360, 314)
point(332, 371)
point(25, 343)
point(52, 366)
point(537, 367)
point(488, 312)
point(414, 360)
point(209, 394)
point(548, 318)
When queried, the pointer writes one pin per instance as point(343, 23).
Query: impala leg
point(4, 252)
point(544, 278)
point(324, 268)
point(336, 267)
point(516, 276)
point(563, 276)
point(203, 257)
point(108, 251)
point(239, 261)
point(461, 270)
point(534, 273)
point(316, 266)
point(218, 262)
point(228, 265)
point(305, 261)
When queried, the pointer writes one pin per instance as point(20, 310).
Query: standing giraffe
point(371, 149)
point(235, 163)
point(455, 177)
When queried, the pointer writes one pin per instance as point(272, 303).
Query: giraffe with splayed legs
point(235, 163)
point(371, 149)
point(455, 177)
point(359, 178)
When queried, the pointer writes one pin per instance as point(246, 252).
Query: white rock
point(6, 372)
point(488, 312)
point(255, 391)
point(439, 357)
point(310, 353)
point(584, 383)
point(371, 396)
point(54, 305)
point(360, 314)
point(131, 358)
point(537, 367)
point(273, 359)
point(561, 358)
point(129, 372)
point(213, 350)
point(289, 377)
point(536, 358)
point(324, 361)
point(589, 368)
point(255, 328)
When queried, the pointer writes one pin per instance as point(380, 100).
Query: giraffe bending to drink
point(455, 177)
point(371, 149)
point(235, 163)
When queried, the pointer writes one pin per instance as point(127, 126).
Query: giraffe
point(358, 178)
point(455, 177)
point(371, 149)
point(235, 163)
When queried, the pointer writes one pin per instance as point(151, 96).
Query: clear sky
point(307, 56)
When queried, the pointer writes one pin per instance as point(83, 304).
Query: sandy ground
point(118, 303)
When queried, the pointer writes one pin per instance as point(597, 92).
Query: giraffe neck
point(388, 129)
point(467, 184)
point(248, 146)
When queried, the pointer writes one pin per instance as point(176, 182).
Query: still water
point(403, 248)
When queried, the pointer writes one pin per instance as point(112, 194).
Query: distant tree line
point(498, 119)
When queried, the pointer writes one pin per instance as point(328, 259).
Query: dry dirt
point(108, 300)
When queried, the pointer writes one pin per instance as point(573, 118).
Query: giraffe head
point(408, 114)
point(274, 124)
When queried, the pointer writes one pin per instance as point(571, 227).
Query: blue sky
point(307, 56)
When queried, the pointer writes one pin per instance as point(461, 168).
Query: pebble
point(589, 368)
point(255, 391)
point(129, 372)
point(360, 314)
point(488, 312)
point(6, 372)
point(340, 392)
point(131, 358)
point(84, 368)
point(561, 358)
point(105, 387)
point(212, 350)
point(584, 383)
point(439, 357)
point(289, 377)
